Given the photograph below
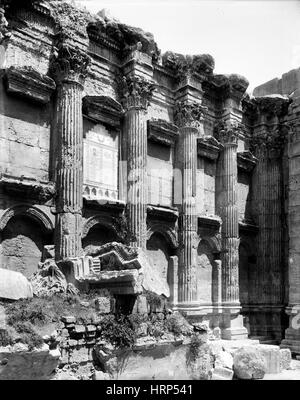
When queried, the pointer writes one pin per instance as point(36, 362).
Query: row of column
point(69, 70)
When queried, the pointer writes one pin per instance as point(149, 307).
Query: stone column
point(69, 69)
point(229, 213)
point(187, 118)
point(136, 93)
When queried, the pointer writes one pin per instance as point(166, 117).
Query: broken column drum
point(187, 118)
point(69, 69)
point(136, 93)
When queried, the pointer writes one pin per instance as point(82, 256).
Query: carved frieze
point(208, 147)
point(103, 109)
point(162, 132)
point(69, 64)
point(246, 161)
point(188, 114)
point(27, 83)
point(136, 91)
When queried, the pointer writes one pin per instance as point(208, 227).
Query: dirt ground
point(287, 374)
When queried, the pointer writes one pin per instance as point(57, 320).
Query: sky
point(259, 39)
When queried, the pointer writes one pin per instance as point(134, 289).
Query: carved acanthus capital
point(188, 115)
point(228, 133)
point(136, 91)
point(183, 66)
point(270, 142)
point(269, 106)
point(69, 64)
point(4, 32)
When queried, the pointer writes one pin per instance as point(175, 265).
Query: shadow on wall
point(97, 236)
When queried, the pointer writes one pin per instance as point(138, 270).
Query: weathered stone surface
point(20, 364)
point(248, 364)
point(285, 359)
point(221, 373)
point(14, 285)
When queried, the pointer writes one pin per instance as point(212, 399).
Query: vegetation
point(118, 331)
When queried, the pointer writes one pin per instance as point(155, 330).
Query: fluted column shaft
point(188, 117)
point(188, 256)
point(69, 68)
point(136, 93)
point(69, 175)
point(230, 226)
point(136, 128)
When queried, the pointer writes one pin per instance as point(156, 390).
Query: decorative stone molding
point(246, 161)
point(29, 211)
point(69, 64)
point(103, 109)
point(182, 66)
point(136, 91)
point(27, 83)
point(167, 214)
point(208, 147)
point(162, 132)
point(214, 243)
point(270, 106)
point(226, 86)
point(116, 206)
point(211, 223)
point(166, 231)
point(269, 142)
point(27, 187)
point(122, 38)
point(188, 114)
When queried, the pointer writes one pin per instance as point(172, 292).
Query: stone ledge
point(208, 147)
point(103, 109)
point(246, 161)
point(27, 83)
point(165, 213)
point(162, 132)
point(27, 187)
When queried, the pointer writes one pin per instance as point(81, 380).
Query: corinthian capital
point(188, 114)
point(69, 64)
point(228, 134)
point(136, 91)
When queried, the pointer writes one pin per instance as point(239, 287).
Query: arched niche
point(159, 252)
point(98, 235)
point(23, 239)
point(205, 272)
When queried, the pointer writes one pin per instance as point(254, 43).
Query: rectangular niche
point(160, 174)
point(100, 165)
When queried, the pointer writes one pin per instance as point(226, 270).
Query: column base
point(232, 327)
point(292, 333)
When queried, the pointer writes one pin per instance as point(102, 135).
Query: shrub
point(118, 331)
point(28, 335)
point(6, 337)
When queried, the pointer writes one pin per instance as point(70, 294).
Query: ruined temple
point(140, 171)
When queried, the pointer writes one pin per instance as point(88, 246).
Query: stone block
point(221, 373)
point(285, 359)
point(248, 363)
point(91, 328)
point(14, 285)
point(69, 319)
point(72, 342)
point(79, 329)
point(104, 303)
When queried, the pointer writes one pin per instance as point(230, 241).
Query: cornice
point(162, 131)
point(208, 147)
point(103, 109)
point(27, 83)
point(246, 161)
